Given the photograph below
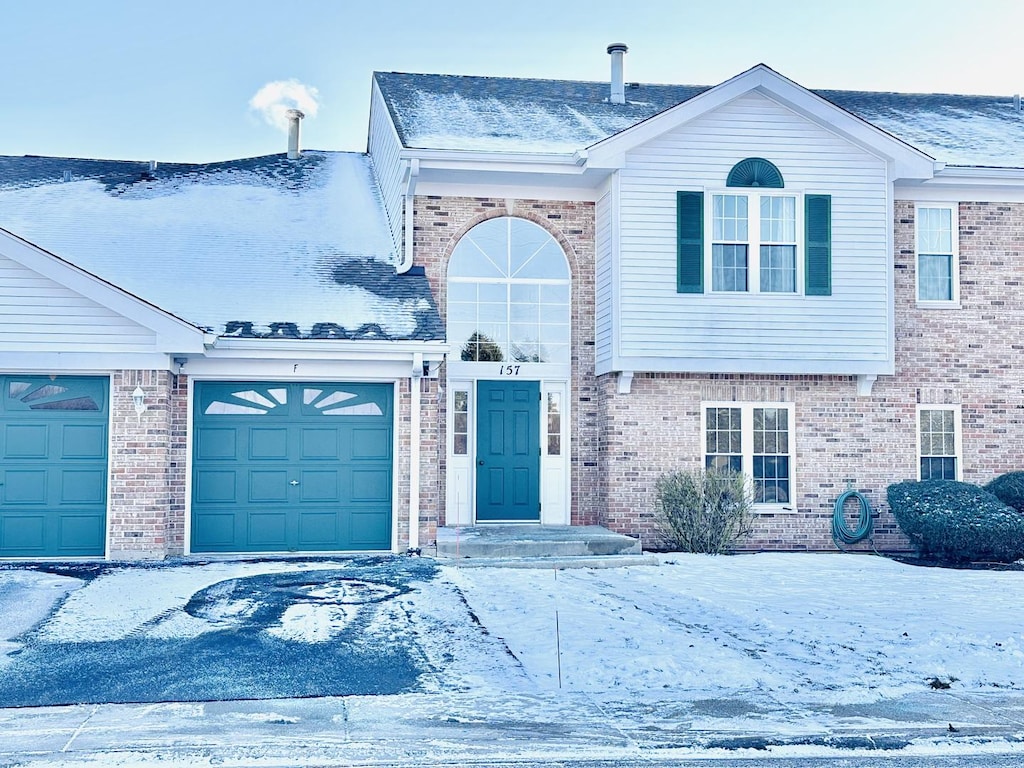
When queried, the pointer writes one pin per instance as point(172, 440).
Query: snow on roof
point(256, 247)
point(561, 116)
point(514, 115)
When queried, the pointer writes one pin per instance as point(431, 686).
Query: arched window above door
point(509, 294)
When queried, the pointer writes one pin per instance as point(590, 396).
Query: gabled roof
point(260, 247)
point(562, 116)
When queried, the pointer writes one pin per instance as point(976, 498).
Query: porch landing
point(516, 542)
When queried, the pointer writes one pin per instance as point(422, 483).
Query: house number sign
point(508, 370)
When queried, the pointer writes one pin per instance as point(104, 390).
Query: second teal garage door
point(287, 467)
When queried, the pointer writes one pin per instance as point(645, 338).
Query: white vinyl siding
point(38, 314)
point(772, 332)
point(387, 166)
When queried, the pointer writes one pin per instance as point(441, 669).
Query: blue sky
point(171, 80)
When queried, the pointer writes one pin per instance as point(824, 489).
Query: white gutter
point(348, 349)
point(980, 174)
point(413, 172)
point(414, 451)
point(489, 157)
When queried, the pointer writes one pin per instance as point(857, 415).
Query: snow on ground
point(817, 629)
point(26, 598)
point(128, 601)
point(812, 628)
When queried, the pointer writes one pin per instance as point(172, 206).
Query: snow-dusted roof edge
point(909, 161)
point(174, 333)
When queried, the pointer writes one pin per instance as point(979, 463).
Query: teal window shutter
point(690, 242)
point(818, 245)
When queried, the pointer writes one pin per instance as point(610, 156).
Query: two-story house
point(816, 288)
point(524, 303)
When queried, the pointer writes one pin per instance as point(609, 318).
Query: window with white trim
point(762, 240)
point(753, 438)
point(937, 249)
point(509, 294)
point(938, 440)
point(754, 243)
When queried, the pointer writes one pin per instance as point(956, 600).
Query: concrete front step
point(533, 541)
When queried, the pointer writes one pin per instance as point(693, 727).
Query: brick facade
point(968, 356)
point(145, 485)
point(439, 223)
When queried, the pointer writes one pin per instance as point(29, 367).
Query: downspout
point(414, 453)
point(413, 172)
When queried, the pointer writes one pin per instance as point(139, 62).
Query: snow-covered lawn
point(814, 628)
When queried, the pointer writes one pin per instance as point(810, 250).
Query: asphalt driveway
point(140, 634)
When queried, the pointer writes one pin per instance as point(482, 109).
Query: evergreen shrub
point(1009, 489)
point(956, 522)
point(707, 511)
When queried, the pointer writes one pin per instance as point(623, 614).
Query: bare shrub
point(708, 511)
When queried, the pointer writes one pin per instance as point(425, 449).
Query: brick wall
point(439, 223)
point(177, 465)
point(140, 492)
point(431, 459)
point(656, 429)
point(972, 355)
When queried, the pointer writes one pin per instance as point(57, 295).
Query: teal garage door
point(53, 474)
point(291, 467)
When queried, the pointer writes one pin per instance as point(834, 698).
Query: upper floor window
point(760, 241)
point(508, 294)
point(937, 254)
point(753, 243)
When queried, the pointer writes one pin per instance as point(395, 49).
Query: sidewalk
point(426, 729)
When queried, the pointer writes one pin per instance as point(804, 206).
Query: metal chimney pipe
point(294, 116)
point(616, 51)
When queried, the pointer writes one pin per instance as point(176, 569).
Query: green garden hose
point(841, 533)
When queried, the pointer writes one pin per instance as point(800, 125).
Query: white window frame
point(958, 445)
point(753, 242)
point(747, 445)
point(954, 214)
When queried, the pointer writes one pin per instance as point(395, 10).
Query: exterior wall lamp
point(139, 401)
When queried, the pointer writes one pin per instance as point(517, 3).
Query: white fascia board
point(172, 332)
point(908, 162)
point(511, 162)
point(308, 349)
point(967, 184)
point(85, 362)
point(767, 366)
point(246, 368)
point(980, 175)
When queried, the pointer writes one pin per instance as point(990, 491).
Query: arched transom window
point(508, 294)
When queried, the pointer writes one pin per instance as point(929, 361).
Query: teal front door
point(291, 467)
point(53, 466)
point(508, 451)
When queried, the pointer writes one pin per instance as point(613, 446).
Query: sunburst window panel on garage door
point(53, 475)
point(283, 467)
